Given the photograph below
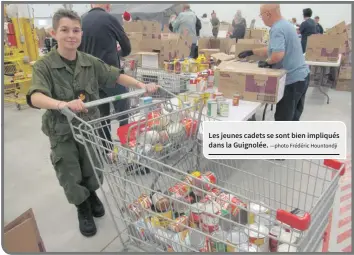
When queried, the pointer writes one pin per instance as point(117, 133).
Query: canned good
point(179, 190)
point(193, 67)
point(286, 248)
point(282, 235)
point(248, 248)
point(212, 108)
point(211, 196)
point(201, 84)
point(166, 65)
point(161, 202)
point(218, 246)
point(143, 202)
point(209, 228)
point(203, 67)
point(236, 99)
point(224, 109)
point(258, 235)
point(254, 210)
point(217, 95)
point(196, 211)
point(210, 215)
point(237, 238)
point(171, 67)
point(189, 179)
point(218, 101)
point(179, 224)
point(178, 67)
point(265, 219)
point(206, 96)
point(203, 182)
point(232, 204)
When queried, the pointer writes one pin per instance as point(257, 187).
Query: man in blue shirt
point(284, 52)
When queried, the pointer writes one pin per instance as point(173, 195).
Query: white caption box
point(274, 140)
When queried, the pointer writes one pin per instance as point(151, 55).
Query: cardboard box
point(257, 34)
point(208, 43)
point(135, 41)
point(149, 59)
point(349, 30)
point(208, 52)
point(140, 26)
point(240, 47)
point(150, 42)
point(345, 72)
point(337, 29)
point(249, 41)
point(22, 235)
point(226, 44)
point(221, 57)
point(344, 85)
point(253, 83)
point(323, 48)
point(179, 47)
point(233, 49)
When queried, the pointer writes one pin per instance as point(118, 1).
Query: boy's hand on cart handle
point(150, 87)
point(75, 105)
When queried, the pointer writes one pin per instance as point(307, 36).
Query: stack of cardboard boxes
point(328, 47)
point(146, 36)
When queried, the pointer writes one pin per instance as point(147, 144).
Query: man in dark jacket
point(239, 26)
point(319, 28)
point(307, 28)
point(101, 32)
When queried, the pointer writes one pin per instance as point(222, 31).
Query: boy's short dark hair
point(307, 12)
point(64, 13)
point(317, 17)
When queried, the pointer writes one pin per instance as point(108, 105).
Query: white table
point(323, 66)
point(243, 112)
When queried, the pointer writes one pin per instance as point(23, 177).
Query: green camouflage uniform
point(65, 80)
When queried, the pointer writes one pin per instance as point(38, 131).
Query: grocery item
point(210, 78)
point(175, 130)
point(161, 202)
point(138, 206)
point(179, 224)
point(237, 238)
point(201, 84)
point(236, 99)
point(177, 66)
point(218, 101)
point(224, 109)
point(265, 219)
point(248, 248)
point(209, 228)
point(193, 66)
point(145, 101)
point(211, 196)
point(165, 218)
point(195, 215)
point(185, 66)
point(199, 241)
point(256, 208)
point(205, 180)
point(212, 107)
point(163, 137)
point(190, 126)
point(181, 241)
point(210, 215)
point(282, 235)
point(216, 245)
point(179, 190)
point(258, 235)
point(150, 137)
point(286, 248)
point(217, 95)
point(234, 206)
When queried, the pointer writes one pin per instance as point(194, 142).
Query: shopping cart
point(190, 203)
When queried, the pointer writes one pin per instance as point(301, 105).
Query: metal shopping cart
point(190, 203)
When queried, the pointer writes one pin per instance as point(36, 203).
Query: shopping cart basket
point(204, 205)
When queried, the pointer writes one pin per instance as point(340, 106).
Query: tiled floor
point(30, 181)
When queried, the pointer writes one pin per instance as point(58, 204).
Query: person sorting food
point(284, 52)
point(66, 77)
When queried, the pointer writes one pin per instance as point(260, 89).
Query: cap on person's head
point(127, 17)
point(307, 12)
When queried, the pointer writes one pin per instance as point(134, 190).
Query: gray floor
point(30, 180)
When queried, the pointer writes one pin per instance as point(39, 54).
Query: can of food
point(203, 182)
point(178, 67)
point(171, 67)
point(212, 108)
point(218, 241)
point(206, 96)
point(166, 65)
point(218, 101)
point(234, 206)
point(138, 206)
point(193, 67)
point(265, 219)
point(196, 212)
point(236, 99)
point(237, 238)
point(286, 248)
point(210, 78)
point(254, 210)
point(210, 215)
point(282, 235)
point(211, 196)
point(179, 224)
point(217, 95)
point(165, 218)
point(224, 109)
point(161, 202)
point(247, 248)
point(209, 228)
point(258, 235)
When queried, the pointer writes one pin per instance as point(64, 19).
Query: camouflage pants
point(74, 170)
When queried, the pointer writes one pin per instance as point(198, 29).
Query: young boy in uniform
point(66, 77)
